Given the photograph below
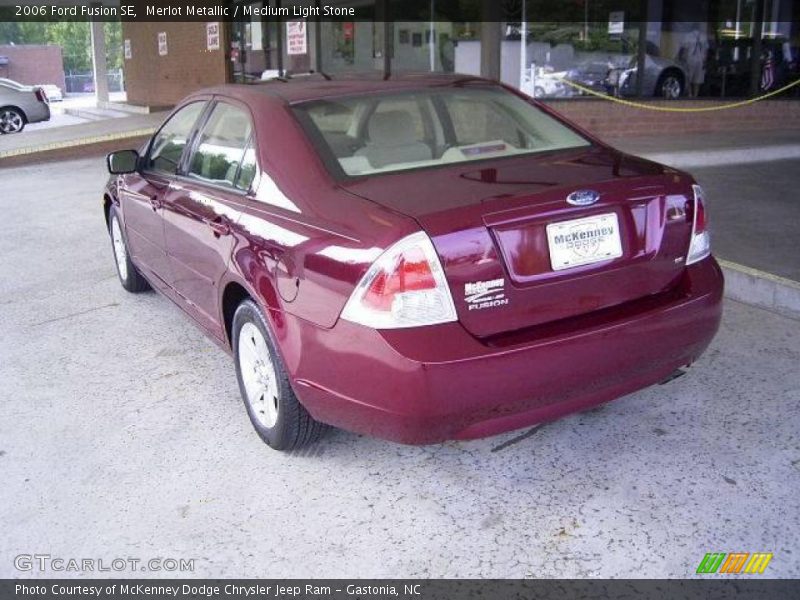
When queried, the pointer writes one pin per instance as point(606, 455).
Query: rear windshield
point(386, 133)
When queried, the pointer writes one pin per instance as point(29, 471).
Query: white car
point(12, 83)
point(544, 84)
point(20, 105)
point(53, 92)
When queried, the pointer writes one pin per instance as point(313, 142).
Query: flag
point(768, 72)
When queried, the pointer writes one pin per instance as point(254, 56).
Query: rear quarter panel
point(302, 243)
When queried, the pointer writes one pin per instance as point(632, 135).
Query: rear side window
point(221, 146)
point(247, 172)
point(169, 143)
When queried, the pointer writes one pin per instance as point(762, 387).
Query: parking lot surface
point(754, 214)
point(123, 436)
point(750, 200)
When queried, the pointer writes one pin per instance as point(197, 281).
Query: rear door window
point(220, 154)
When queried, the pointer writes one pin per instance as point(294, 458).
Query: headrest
point(392, 128)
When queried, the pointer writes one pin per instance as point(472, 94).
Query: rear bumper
point(38, 112)
point(438, 383)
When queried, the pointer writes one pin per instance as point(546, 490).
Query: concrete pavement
point(704, 142)
point(123, 435)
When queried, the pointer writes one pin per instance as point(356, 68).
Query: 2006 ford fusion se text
point(423, 258)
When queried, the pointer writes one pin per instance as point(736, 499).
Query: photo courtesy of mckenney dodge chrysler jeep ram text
point(423, 258)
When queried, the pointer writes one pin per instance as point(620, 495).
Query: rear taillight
point(41, 96)
point(700, 244)
point(404, 287)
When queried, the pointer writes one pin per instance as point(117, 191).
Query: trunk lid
point(489, 224)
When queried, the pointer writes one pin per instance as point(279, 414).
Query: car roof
point(315, 86)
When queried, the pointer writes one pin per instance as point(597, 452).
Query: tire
point(129, 275)
point(12, 120)
point(276, 414)
point(669, 86)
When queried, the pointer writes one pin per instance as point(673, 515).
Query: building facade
point(166, 61)
point(686, 50)
point(32, 64)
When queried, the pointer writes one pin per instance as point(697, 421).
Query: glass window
point(430, 128)
point(248, 170)
point(410, 106)
point(168, 144)
point(475, 120)
point(221, 145)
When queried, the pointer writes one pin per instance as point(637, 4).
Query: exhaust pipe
point(672, 376)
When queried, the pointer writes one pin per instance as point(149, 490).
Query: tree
point(76, 44)
point(23, 32)
point(114, 52)
point(74, 37)
point(9, 32)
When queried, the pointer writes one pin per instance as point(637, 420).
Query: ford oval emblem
point(583, 198)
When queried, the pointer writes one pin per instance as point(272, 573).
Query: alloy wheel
point(258, 375)
point(120, 251)
point(11, 121)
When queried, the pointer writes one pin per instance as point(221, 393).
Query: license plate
point(583, 241)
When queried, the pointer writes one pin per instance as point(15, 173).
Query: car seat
point(393, 139)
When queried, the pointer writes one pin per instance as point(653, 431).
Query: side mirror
point(123, 162)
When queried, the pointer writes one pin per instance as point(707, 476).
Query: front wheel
point(11, 120)
point(129, 276)
point(669, 87)
point(276, 414)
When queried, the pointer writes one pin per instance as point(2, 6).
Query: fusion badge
point(485, 294)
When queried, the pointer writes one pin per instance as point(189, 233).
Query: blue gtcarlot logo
point(583, 198)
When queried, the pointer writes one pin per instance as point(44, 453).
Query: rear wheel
point(277, 416)
point(129, 276)
point(11, 120)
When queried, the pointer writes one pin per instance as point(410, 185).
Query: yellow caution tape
point(677, 108)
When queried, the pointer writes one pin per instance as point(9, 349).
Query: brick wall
point(154, 80)
point(33, 65)
point(609, 119)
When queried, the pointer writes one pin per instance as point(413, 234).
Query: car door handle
point(218, 226)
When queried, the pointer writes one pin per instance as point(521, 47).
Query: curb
point(699, 159)
point(101, 144)
point(88, 141)
point(761, 289)
point(96, 114)
point(134, 109)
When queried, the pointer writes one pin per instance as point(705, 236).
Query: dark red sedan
point(425, 258)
